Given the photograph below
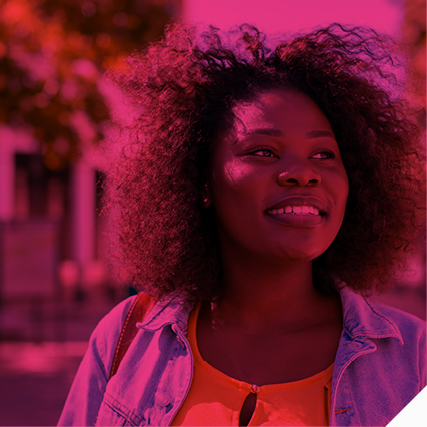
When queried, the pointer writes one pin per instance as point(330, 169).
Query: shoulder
point(103, 341)
point(413, 348)
point(407, 324)
point(412, 330)
point(112, 322)
point(364, 316)
point(399, 338)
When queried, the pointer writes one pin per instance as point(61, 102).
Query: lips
point(300, 201)
point(302, 218)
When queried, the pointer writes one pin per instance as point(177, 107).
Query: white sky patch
point(295, 15)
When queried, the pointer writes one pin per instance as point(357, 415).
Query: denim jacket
point(380, 366)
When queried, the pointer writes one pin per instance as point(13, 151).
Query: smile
point(295, 210)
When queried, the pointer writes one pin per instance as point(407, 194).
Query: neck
point(258, 295)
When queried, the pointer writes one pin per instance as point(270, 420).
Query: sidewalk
point(35, 380)
point(40, 351)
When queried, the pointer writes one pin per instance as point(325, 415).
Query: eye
point(262, 152)
point(325, 154)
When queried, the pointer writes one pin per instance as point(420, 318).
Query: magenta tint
point(55, 285)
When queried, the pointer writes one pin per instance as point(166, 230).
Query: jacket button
point(163, 399)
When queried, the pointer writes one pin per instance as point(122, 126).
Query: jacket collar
point(169, 310)
point(363, 318)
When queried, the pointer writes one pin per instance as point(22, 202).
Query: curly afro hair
point(184, 88)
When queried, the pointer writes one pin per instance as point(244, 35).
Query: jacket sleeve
point(87, 391)
point(423, 357)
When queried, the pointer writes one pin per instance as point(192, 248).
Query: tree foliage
point(414, 37)
point(51, 56)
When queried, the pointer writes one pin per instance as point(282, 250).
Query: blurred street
point(40, 351)
point(35, 377)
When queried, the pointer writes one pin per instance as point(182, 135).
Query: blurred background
point(55, 109)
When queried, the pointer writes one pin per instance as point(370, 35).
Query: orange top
point(215, 399)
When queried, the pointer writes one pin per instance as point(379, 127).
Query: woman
point(267, 190)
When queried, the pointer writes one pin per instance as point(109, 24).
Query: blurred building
point(49, 212)
point(52, 115)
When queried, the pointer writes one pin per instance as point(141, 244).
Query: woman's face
point(277, 181)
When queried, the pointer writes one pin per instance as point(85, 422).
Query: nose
point(300, 175)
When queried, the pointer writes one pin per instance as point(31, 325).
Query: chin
point(301, 256)
point(301, 259)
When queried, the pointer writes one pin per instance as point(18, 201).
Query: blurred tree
point(51, 56)
point(414, 38)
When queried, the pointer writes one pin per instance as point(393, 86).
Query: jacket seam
point(116, 406)
point(102, 360)
point(339, 379)
point(122, 332)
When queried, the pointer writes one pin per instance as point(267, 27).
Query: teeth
point(296, 210)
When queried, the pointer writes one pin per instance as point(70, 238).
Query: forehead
point(279, 108)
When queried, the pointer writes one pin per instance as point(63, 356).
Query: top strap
point(141, 306)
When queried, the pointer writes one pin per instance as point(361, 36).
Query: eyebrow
point(276, 132)
point(269, 132)
point(320, 134)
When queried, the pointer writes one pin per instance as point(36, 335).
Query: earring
point(205, 199)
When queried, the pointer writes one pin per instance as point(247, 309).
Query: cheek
point(234, 173)
point(231, 178)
